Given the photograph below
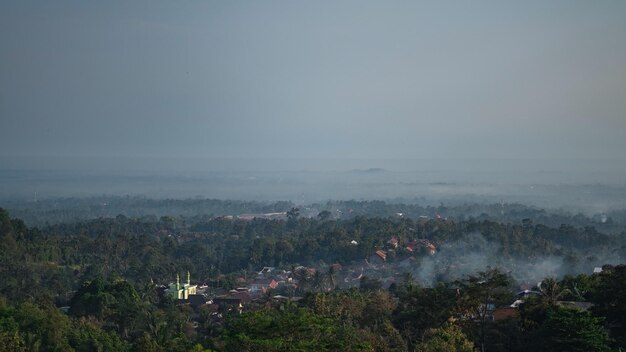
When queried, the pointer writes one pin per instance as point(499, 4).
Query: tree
point(380, 305)
point(293, 213)
point(114, 301)
point(420, 308)
point(366, 283)
point(324, 215)
point(448, 338)
point(10, 341)
point(574, 330)
point(581, 287)
point(289, 330)
point(551, 291)
point(480, 295)
point(318, 281)
point(85, 336)
point(331, 277)
point(292, 217)
point(610, 303)
point(145, 343)
point(283, 248)
point(302, 277)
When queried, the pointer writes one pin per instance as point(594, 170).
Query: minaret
point(177, 282)
point(188, 279)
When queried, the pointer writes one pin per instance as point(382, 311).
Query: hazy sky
point(464, 79)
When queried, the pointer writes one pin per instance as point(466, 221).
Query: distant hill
point(373, 170)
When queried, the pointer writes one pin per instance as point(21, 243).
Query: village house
point(266, 270)
point(504, 313)
point(421, 243)
point(233, 301)
point(263, 285)
point(393, 243)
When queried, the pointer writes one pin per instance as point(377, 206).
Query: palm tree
point(300, 275)
point(551, 291)
point(332, 277)
point(319, 281)
point(32, 341)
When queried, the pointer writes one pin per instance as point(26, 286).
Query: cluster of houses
point(404, 255)
point(219, 300)
point(271, 283)
point(260, 290)
point(387, 265)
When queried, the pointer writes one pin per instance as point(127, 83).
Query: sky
point(313, 79)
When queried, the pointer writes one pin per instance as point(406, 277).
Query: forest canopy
point(362, 282)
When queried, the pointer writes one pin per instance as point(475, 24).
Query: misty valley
point(207, 274)
point(312, 176)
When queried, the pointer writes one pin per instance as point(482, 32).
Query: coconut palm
point(331, 277)
point(551, 291)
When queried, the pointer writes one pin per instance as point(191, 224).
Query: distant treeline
point(68, 210)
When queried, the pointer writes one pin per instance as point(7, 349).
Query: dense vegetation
point(107, 271)
point(69, 210)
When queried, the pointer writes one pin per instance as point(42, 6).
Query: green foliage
point(369, 312)
point(552, 292)
point(487, 287)
point(324, 215)
point(448, 338)
point(10, 341)
point(86, 337)
point(99, 297)
point(34, 328)
point(609, 299)
point(421, 308)
point(115, 301)
point(573, 330)
point(147, 344)
point(290, 330)
point(481, 294)
point(363, 308)
point(57, 259)
point(64, 264)
point(580, 287)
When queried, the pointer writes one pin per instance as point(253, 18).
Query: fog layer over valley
point(588, 186)
point(279, 176)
